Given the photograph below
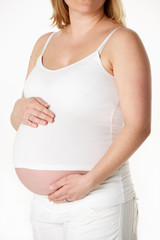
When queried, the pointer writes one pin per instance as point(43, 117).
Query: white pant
point(80, 221)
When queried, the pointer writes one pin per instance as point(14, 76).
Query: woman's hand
point(32, 111)
point(71, 187)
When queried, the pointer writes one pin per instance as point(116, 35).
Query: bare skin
point(89, 27)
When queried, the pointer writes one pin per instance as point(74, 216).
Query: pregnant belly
point(48, 153)
point(39, 181)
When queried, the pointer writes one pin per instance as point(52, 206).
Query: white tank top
point(84, 98)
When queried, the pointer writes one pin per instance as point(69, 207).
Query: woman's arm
point(133, 79)
point(21, 104)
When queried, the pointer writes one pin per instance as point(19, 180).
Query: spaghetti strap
point(100, 48)
point(44, 48)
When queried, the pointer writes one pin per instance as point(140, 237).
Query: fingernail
point(51, 120)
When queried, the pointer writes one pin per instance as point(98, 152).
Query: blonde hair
point(113, 9)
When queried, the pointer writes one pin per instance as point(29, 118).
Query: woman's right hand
point(33, 111)
point(33, 107)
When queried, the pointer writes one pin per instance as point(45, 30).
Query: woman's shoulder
point(36, 51)
point(38, 46)
point(40, 42)
point(121, 36)
point(124, 35)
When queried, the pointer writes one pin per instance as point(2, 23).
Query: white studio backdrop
point(21, 24)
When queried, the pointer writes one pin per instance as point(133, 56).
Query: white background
point(21, 24)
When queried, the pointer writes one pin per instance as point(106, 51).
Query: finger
point(37, 120)
point(29, 123)
point(41, 108)
point(41, 115)
point(61, 193)
point(40, 100)
point(63, 181)
point(32, 103)
point(44, 110)
point(62, 201)
point(59, 201)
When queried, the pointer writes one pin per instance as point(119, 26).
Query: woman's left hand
point(71, 187)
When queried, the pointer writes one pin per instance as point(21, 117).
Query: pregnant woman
point(85, 109)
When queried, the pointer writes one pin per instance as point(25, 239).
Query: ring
point(67, 200)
